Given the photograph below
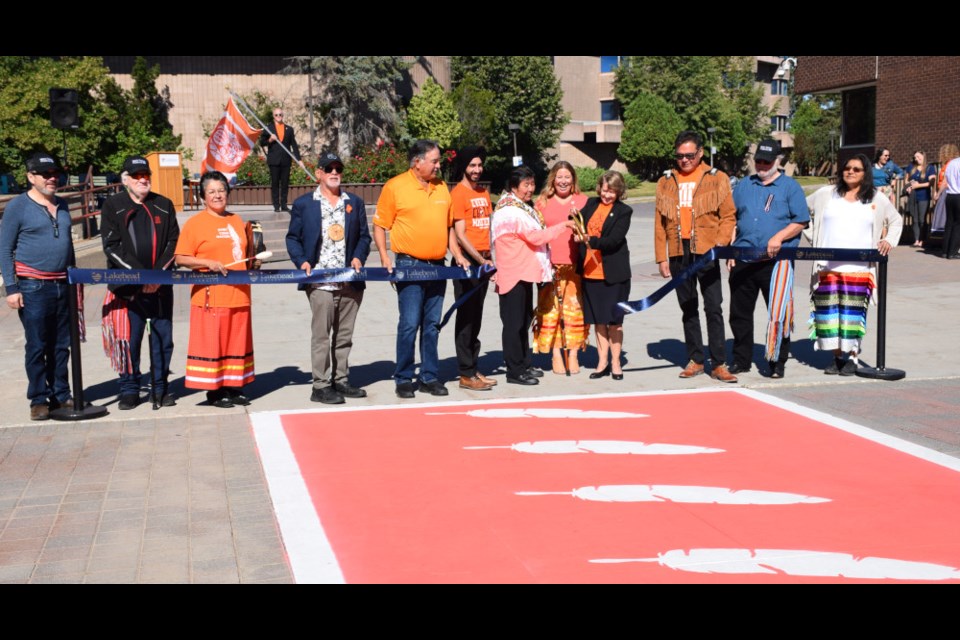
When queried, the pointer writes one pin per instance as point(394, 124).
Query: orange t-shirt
point(222, 238)
point(686, 185)
point(473, 207)
point(593, 262)
point(417, 218)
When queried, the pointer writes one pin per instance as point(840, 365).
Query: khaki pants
point(334, 315)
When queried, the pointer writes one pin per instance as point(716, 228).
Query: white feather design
point(679, 493)
point(602, 446)
point(237, 253)
point(794, 562)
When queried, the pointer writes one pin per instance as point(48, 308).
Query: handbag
point(939, 220)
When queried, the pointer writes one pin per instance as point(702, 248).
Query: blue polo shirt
point(765, 209)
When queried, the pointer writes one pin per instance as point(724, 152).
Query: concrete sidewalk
point(178, 495)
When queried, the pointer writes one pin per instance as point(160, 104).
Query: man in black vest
point(139, 231)
point(278, 136)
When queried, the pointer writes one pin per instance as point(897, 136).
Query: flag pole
point(240, 101)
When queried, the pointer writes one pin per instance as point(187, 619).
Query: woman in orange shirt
point(220, 350)
point(605, 265)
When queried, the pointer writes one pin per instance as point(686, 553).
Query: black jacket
point(120, 242)
point(612, 241)
point(275, 154)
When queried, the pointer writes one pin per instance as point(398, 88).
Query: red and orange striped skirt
point(220, 351)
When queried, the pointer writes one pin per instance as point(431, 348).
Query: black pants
point(516, 314)
point(279, 184)
point(467, 324)
point(747, 279)
point(951, 231)
point(710, 287)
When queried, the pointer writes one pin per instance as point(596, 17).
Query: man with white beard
point(771, 213)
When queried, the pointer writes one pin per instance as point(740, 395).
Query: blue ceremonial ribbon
point(752, 254)
point(483, 271)
point(418, 273)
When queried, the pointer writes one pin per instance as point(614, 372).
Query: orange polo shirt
point(417, 218)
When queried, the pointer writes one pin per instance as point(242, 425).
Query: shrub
point(587, 179)
point(384, 161)
point(254, 172)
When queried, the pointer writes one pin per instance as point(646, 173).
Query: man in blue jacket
point(35, 250)
point(328, 230)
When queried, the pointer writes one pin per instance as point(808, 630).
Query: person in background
point(559, 322)
point(938, 221)
point(951, 231)
point(277, 136)
point(885, 172)
point(920, 176)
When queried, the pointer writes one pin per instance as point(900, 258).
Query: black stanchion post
point(81, 410)
point(880, 371)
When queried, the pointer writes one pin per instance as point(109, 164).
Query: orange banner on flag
point(230, 143)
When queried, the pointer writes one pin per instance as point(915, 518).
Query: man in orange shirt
point(470, 240)
point(415, 207)
point(695, 213)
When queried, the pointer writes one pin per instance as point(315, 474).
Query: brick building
point(904, 103)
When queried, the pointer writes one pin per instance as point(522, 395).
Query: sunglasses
point(852, 169)
point(140, 176)
point(52, 173)
point(685, 156)
point(334, 169)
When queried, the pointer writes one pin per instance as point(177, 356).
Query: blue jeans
point(45, 317)
point(421, 305)
point(157, 307)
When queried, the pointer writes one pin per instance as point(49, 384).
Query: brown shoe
point(722, 374)
point(474, 383)
point(484, 379)
point(39, 412)
point(693, 369)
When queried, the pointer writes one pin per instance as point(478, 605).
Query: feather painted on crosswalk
point(541, 413)
point(679, 493)
point(601, 447)
point(794, 562)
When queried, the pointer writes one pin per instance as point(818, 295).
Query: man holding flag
point(280, 147)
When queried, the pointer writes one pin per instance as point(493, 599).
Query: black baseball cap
point(136, 164)
point(42, 161)
point(767, 150)
point(328, 159)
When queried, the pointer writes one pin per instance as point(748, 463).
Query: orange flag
point(230, 143)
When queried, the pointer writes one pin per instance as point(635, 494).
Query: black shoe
point(276, 209)
point(326, 395)
point(616, 376)
point(166, 400)
point(776, 369)
point(523, 378)
point(536, 373)
point(347, 391)
point(237, 397)
point(834, 367)
point(434, 388)
point(219, 399)
point(600, 373)
point(849, 368)
point(128, 401)
point(284, 208)
point(405, 390)
point(736, 368)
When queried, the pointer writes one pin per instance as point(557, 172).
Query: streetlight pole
point(710, 132)
point(513, 129)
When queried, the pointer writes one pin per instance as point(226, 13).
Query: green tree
point(432, 115)
point(705, 91)
point(815, 124)
point(525, 91)
point(476, 112)
point(355, 98)
point(650, 126)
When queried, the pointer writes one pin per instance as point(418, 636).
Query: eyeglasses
point(334, 169)
point(51, 173)
point(140, 176)
point(278, 115)
point(685, 156)
point(852, 170)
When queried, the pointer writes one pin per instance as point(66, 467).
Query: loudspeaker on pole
point(63, 108)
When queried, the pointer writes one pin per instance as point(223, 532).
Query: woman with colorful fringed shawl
point(522, 256)
point(851, 215)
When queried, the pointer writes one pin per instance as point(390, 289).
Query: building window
point(609, 110)
point(779, 123)
point(779, 87)
point(859, 116)
point(609, 63)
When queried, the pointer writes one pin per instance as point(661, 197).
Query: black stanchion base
point(86, 413)
point(881, 374)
